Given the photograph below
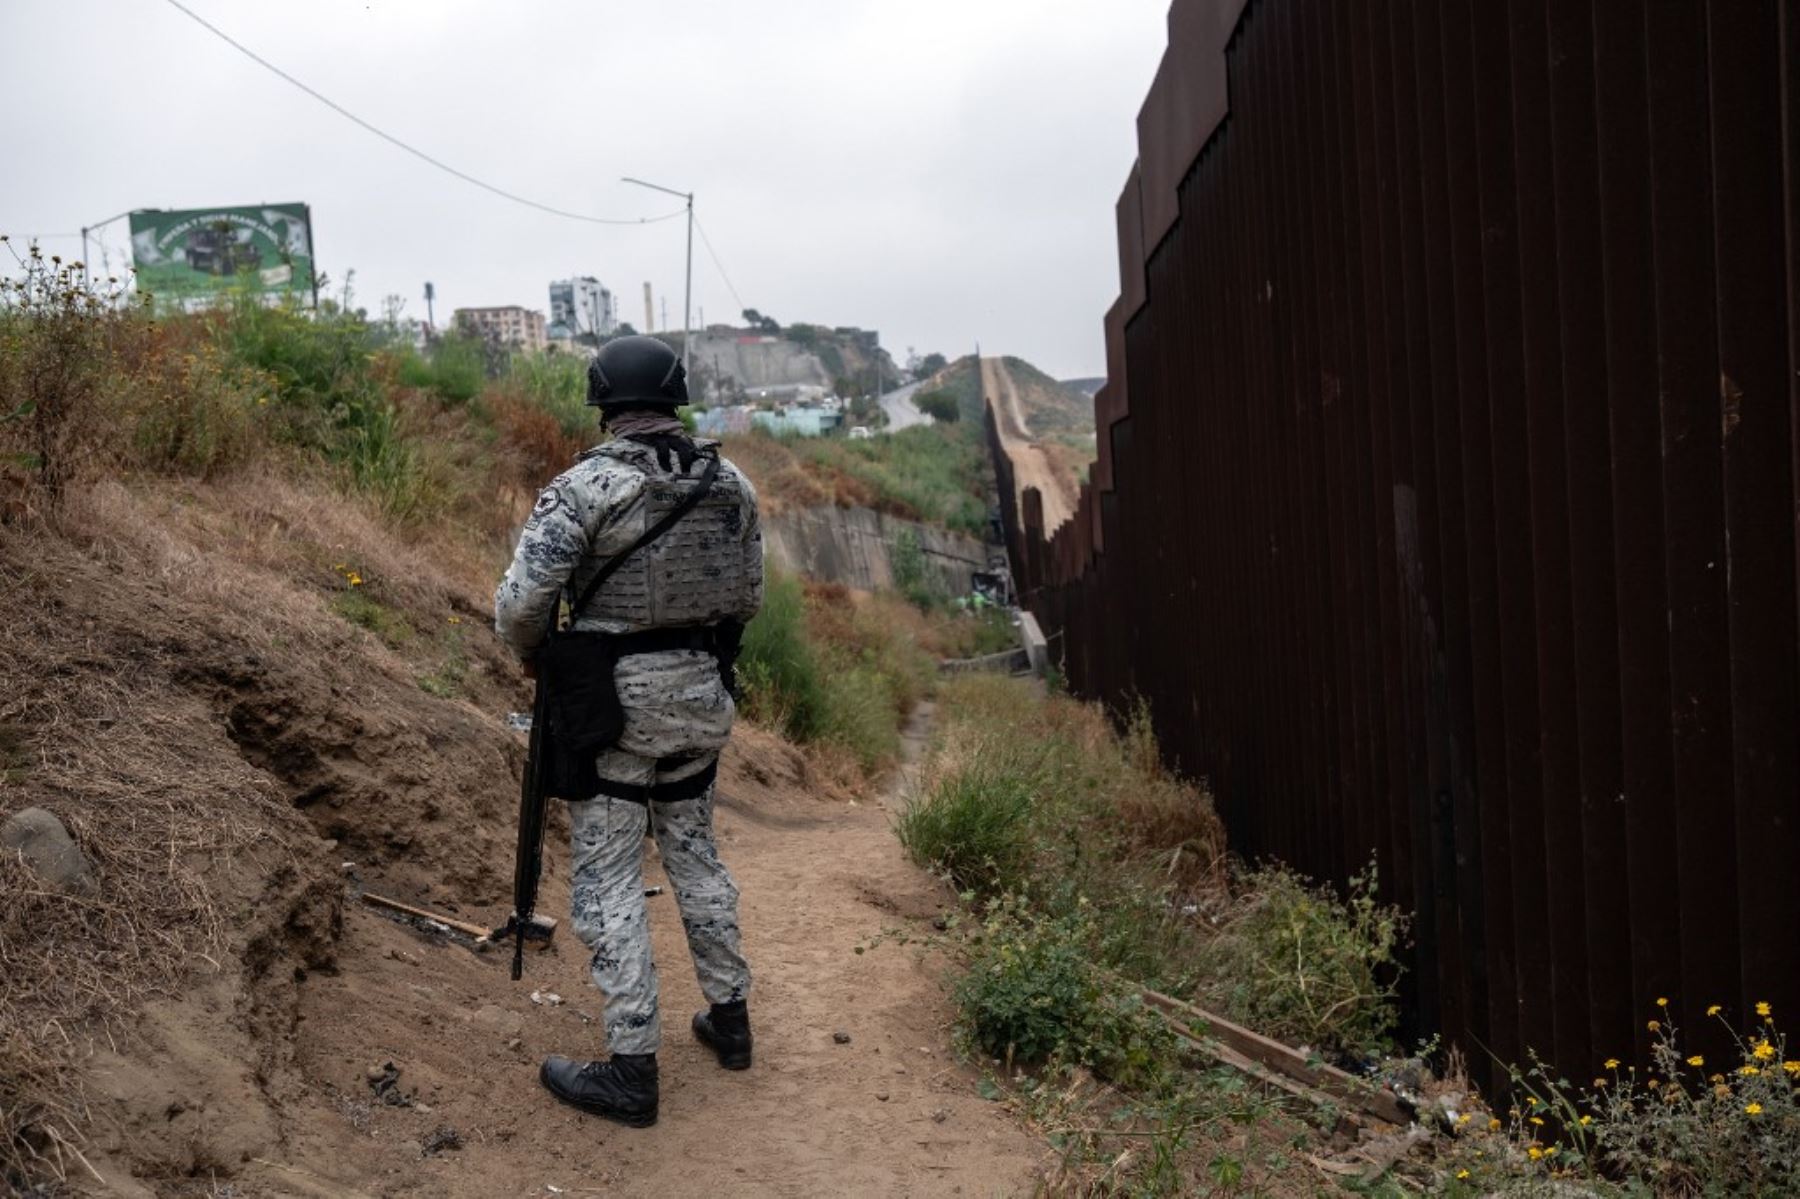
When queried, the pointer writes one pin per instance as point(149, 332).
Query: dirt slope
point(240, 762)
point(1034, 465)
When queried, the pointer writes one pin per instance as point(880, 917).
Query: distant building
point(581, 309)
point(511, 325)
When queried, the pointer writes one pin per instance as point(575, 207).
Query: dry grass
point(138, 786)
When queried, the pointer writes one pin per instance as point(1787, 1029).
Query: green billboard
point(192, 255)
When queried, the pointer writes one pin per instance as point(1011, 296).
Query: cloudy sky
point(942, 170)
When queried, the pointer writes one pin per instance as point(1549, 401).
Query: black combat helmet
point(636, 370)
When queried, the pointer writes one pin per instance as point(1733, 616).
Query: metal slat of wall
point(1627, 255)
point(1385, 371)
point(1296, 792)
point(1515, 568)
point(1395, 491)
point(1251, 651)
point(1565, 928)
point(1307, 548)
point(1406, 877)
point(1687, 363)
point(1282, 785)
point(1752, 45)
point(1333, 300)
point(1487, 680)
point(1364, 614)
point(1452, 692)
point(1581, 307)
point(1440, 999)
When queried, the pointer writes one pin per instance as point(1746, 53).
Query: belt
point(704, 638)
point(692, 787)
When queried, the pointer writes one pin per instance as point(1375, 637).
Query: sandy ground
point(1032, 467)
point(892, 1112)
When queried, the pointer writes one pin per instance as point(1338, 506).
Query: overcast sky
point(942, 170)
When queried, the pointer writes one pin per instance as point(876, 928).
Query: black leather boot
point(725, 1029)
point(623, 1089)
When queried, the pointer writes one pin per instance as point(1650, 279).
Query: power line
point(714, 255)
point(390, 138)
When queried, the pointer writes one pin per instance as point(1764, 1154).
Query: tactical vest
point(693, 574)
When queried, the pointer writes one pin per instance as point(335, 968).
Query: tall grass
point(827, 668)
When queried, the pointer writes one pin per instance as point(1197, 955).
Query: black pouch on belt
point(583, 714)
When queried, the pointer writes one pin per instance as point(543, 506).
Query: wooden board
point(1359, 1093)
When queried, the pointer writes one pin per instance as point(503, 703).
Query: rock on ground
point(48, 849)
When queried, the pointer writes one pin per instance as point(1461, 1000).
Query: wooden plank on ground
point(1284, 1059)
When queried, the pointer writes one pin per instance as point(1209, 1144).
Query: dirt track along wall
point(1445, 509)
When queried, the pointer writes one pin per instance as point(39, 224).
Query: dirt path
point(889, 1113)
point(1031, 466)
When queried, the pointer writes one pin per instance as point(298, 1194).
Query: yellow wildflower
point(1755, 1109)
point(1599, 1082)
point(1748, 1071)
point(1791, 1067)
point(1653, 1025)
point(1762, 1009)
point(1585, 1121)
point(1538, 1120)
point(1654, 1084)
point(1764, 1051)
point(1662, 1003)
point(1612, 1063)
point(1464, 1118)
point(1714, 1010)
point(1534, 1153)
point(1551, 1152)
point(1696, 1060)
point(1494, 1124)
point(1462, 1173)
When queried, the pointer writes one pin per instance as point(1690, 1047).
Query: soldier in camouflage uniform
point(666, 604)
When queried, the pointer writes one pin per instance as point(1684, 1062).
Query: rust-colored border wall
point(1446, 508)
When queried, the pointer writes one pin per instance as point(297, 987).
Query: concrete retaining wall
point(855, 546)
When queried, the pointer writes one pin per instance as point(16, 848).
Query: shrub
point(53, 338)
point(778, 668)
point(972, 822)
point(455, 367)
point(1032, 994)
point(556, 383)
point(1298, 963)
point(940, 406)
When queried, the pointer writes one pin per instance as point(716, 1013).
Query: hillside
point(732, 365)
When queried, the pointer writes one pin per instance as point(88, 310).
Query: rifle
point(528, 865)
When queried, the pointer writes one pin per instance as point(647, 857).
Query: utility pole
point(687, 299)
point(430, 320)
point(649, 310)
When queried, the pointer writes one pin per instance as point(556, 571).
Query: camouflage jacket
point(593, 511)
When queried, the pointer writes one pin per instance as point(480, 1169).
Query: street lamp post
point(687, 296)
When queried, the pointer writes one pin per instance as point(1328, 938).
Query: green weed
point(778, 669)
point(366, 612)
point(446, 681)
point(1301, 964)
point(973, 825)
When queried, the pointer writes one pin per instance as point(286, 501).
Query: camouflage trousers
point(665, 743)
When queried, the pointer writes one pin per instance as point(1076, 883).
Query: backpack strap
point(651, 534)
